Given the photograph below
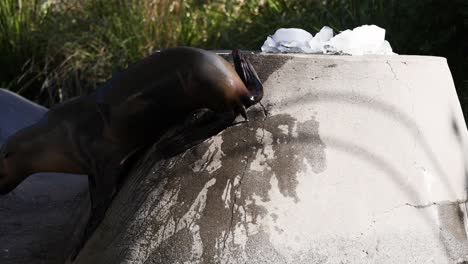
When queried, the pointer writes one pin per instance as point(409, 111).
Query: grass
point(51, 52)
point(19, 22)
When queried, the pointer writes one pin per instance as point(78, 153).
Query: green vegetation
point(58, 49)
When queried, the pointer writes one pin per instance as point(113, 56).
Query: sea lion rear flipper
point(101, 195)
point(199, 126)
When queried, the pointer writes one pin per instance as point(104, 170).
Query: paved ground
point(38, 218)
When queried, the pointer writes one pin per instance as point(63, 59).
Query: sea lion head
point(237, 87)
point(249, 77)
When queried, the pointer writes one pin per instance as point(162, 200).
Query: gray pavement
point(37, 219)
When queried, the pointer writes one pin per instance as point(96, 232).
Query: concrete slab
point(38, 218)
point(360, 160)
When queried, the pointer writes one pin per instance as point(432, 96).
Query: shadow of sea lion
point(38, 217)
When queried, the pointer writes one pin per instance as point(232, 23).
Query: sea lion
point(96, 134)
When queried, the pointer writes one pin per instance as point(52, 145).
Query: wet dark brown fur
point(97, 133)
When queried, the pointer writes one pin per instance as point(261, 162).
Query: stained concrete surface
point(356, 160)
point(38, 218)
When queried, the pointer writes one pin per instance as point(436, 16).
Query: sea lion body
point(182, 80)
point(86, 134)
point(50, 145)
point(97, 133)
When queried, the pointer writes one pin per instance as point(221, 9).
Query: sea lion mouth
point(249, 77)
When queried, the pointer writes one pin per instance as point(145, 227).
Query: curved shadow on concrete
point(458, 131)
point(384, 108)
point(379, 162)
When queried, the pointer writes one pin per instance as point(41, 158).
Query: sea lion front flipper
point(101, 195)
point(199, 126)
point(104, 112)
point(96, 216)
point(241, 110)
point(129, 156)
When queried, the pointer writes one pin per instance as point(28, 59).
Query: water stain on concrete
point(225, 219)
point(452, 230)
point(260, 250)
point(301, 142)
point(178, 247)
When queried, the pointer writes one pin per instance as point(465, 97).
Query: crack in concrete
point(422, 206)
point(207, 161)
point(263, 132)
point(263, 136)
point(417, 206)
point(391, 68)
point(234, 203)
point(265, 111)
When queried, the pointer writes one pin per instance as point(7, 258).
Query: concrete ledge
point(360, 160)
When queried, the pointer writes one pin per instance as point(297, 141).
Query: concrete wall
point(358, 160)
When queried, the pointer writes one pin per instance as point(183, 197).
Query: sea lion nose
point(249, 77)
point(255, 88)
